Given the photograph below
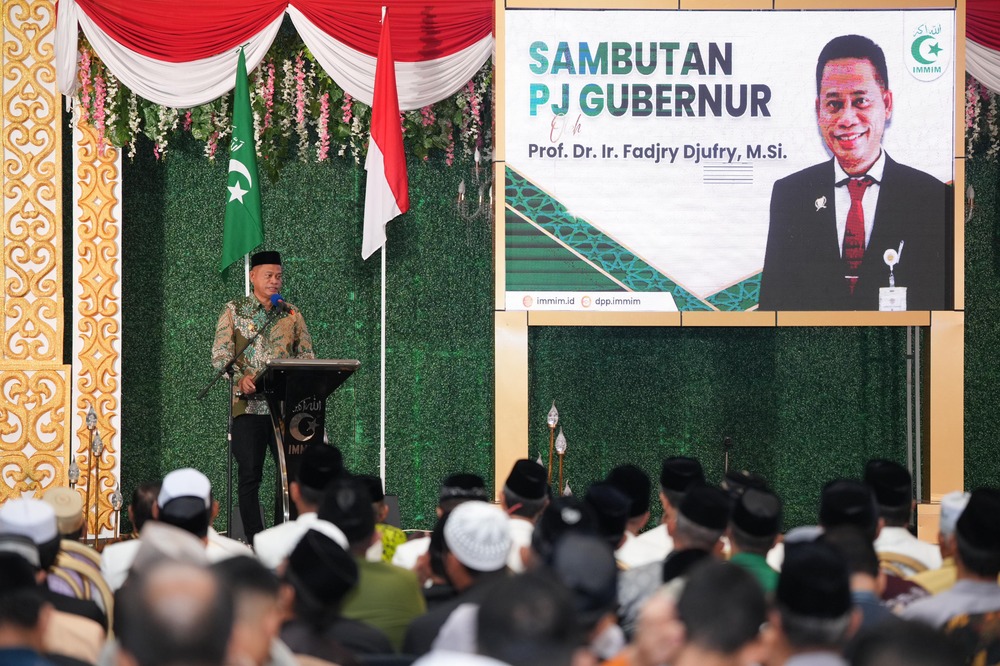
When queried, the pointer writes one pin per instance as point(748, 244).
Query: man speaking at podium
point(283, 334)
point(839, 227)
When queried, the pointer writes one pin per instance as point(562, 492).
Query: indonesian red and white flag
point(387, 193)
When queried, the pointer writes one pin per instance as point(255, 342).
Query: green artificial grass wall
point(801, 405)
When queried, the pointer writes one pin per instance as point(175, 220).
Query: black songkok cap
point(848, 502)
point(347, 504)
point(462, 486)
point(528, 479)
point(319, 465)
point(736, 483)
point(563, 515)
point(758, 513)
point(680, 562)
point(265, 258)
point(814, 581)
point(890, 481)
point(706, 506)
point(374, 486)
point(978, 523)
point(327, 572)
point(635, 484)
point(611, 507)
point(680, 473)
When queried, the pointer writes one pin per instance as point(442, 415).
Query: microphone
point(279, 303)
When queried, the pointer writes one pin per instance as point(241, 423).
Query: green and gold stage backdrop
point(801, 405)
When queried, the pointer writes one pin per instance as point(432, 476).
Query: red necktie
point(854, 234)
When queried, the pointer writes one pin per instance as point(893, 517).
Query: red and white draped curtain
point(182, 54)
point(982, 47)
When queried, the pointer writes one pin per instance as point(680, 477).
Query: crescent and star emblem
point(235, 191)
point(918, 44)
point(302, 426)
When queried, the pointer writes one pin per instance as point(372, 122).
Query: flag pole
point(246, 274)
point(381, 452)
point(381, 456)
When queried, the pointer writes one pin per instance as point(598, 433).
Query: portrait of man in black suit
point(832, 224)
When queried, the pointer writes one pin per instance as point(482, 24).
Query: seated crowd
point(535, 580)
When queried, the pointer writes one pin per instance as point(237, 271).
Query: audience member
point(524, 497)
point(944, 577)
point(390, 536)
point(904, 644)
point(659, 632)
point(849, 502)
point(78, 627)
point(586, 565)
point(753, 530)
point(611, 507)
point(677, 475)
point(867, 580)
point(635, 484)
point(320, 464)
point(318, 575)
point(454, 490)
point(68, 506)
point(174, 614)
point(723, 609)
point(893, 488)
point(477, 543)
point(813, 616)
point(256, 613)
point(386, 597)
point(696, 528)
point(977, 561)
point(563, 515)
point(116, 558)
point(24, 614)
point(186, 501)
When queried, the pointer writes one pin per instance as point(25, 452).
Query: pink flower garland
point(348, 109)
point(84, 85)
point(100, 113)
point(269, 95)
point(323, 151)
point(300, 90)
point(187, 120)
point(427, 114)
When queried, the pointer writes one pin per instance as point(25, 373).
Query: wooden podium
point(296, 391)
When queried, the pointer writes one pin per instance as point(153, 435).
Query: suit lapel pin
point(820, 203)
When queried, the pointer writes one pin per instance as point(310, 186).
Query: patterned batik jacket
point(286, 337)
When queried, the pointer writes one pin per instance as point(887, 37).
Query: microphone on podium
point(279, 303)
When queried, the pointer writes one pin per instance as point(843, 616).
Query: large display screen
point(728, 160)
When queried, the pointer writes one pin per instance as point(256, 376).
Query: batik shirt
point(286, 337)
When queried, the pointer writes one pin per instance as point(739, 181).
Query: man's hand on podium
point(247, 386)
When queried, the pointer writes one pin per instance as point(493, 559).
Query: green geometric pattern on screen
point(592, 244)
point(536, 262)
point(740, 296)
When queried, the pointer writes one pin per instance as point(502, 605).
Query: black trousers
point(252, 437)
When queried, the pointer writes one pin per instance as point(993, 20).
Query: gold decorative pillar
point(97, 325)
point(34, 383)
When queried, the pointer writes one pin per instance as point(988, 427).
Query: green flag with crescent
point(242, 230)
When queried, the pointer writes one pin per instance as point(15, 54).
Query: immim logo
point(929, 50)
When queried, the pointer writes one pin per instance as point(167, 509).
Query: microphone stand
point(227, 370)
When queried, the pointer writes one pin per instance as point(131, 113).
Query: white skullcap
point(31, 518)
point(952, 506)
point(186, 482)
point(478, 534)
point(68, 506)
